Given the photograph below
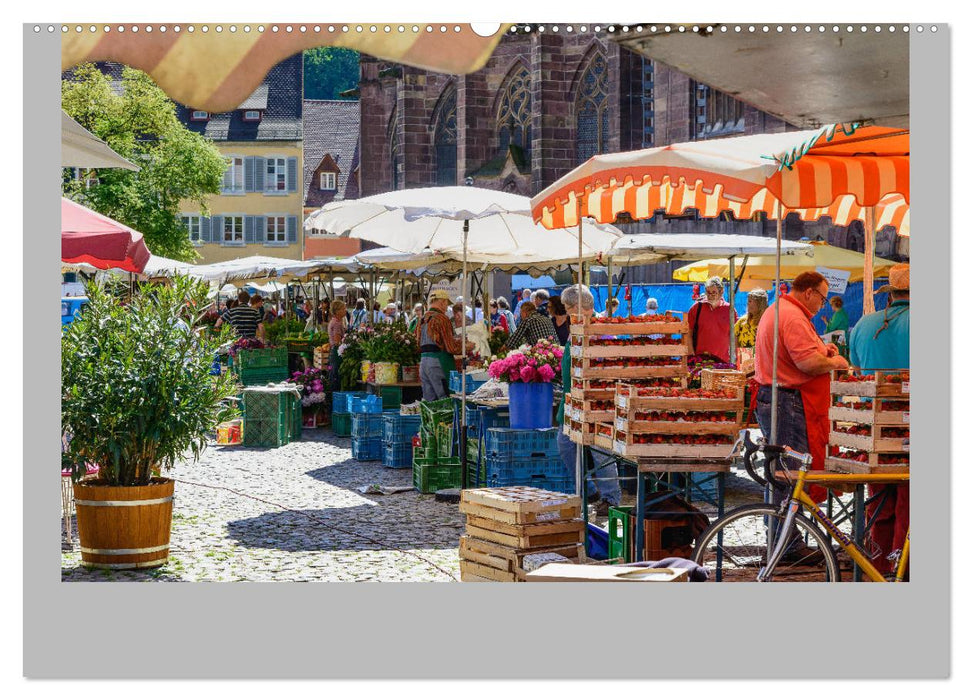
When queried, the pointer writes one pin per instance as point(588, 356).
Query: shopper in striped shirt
point(246, 320)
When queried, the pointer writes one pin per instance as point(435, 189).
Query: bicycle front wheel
point(739, 542)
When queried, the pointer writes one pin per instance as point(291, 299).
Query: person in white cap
point(881, 340)
point(438, 344)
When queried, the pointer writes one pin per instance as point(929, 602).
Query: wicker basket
point(715, 379)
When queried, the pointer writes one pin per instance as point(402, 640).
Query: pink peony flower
point(532, 362)
point(528, 374)
point(546, 373)
point(514, 375)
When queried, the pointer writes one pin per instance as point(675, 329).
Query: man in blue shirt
point(881, 340)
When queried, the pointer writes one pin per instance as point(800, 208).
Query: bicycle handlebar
point(772, 455)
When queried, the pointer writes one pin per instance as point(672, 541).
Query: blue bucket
point(530, 405)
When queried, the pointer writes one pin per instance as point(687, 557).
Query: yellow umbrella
point(761, 268)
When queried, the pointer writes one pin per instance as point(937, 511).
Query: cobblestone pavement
point(311, 523)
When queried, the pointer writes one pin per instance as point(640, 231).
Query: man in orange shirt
point(804, 367)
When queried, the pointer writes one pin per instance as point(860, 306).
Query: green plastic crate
point(261, 358)
point(443, 439)
point(341, 424)
point(429, 478)
point(620, 532)
point(391, 396)
point(263, 376)
point(296, 417)
point(269, 417)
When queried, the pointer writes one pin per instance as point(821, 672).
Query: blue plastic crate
point(365, 404)
point(367, 425)
point(455, 383)
point(366, 449)
point(399, 428)
point(506, 442)
point(340, 403)
point(397, 455)
point(489, 417)
point(519, 471)
point(559, 485)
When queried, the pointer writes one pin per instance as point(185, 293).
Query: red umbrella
point(90, 237)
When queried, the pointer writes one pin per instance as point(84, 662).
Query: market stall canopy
point(103, 243)
point(82, 149)
point(501, 230)
point(762, 267)
point(645, 248)
point(806, 77)
point(157, 267)
point(256, 267)
point(835, 172)
point(217, 70)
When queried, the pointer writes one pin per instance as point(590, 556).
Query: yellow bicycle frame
point(816, 513)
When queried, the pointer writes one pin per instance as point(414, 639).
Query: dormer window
point(252, 115)
point(199, 116)
point(328, 181)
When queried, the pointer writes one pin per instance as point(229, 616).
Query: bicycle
point(765, 542)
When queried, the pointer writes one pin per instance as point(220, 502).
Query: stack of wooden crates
point(507, 525)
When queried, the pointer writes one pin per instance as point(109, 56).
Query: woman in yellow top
point(747, 325)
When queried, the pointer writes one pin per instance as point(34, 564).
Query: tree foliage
point(140, 124)
point(329, 71)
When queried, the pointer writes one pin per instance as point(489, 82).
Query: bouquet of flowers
point(391, 342)
point(246, 344)
point(529, 363)
point(312, 382)
point(352, 352)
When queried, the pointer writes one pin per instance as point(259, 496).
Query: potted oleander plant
point(137, 396)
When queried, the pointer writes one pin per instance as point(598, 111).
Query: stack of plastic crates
point(478, 420)
point(340, 418)
point(366, 432)
point(399, 432)
point(270, 417)
point(526, 458)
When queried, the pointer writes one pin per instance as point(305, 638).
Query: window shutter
point(292, 229)
point(249, 174)
point(261, 229)
point(217, 229)
point(227, 180)
point(291, 174)
point(260, 174)
point(249, 229)
point(204, 229)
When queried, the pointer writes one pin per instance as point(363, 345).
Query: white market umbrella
point(487, 225)
point(82, 149)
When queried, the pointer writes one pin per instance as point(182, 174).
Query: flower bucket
point(530, 405)
point(386, 372)
point(365, 370)
point(409, 374)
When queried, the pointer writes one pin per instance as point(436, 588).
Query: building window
point(193, 224)
point(276, 174)
point(252, 115)
point(647, 102)
point(276, 229)
point(233, 177)
point(446, 150)
point(716, 114)
point(515, 113)
point(233, 229)
point(328, 181)
point(199, 116)
point(591, 108)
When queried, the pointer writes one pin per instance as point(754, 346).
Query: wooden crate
point(495, 562)
point(603, 436)
point(526, 503)
point(628, 398)
point(580, 573)
point(878, 383)
point(672, 450)
point(595, 328)
point(531, 536)
point(580, 432)
point(874, 414)
point(871, 466)
point(677, 427)
point(629, 350)
point(875, 442)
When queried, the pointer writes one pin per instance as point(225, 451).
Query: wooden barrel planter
point(124, 527)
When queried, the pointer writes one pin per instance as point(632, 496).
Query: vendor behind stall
point(336, 328)
point(881, 340)
point(710, 320)
point(438, 347)
point(803, 372)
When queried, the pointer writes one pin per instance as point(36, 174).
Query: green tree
point(140, 123)
point(329, 71)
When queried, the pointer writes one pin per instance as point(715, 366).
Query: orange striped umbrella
point(216, 69)
point(834, 172)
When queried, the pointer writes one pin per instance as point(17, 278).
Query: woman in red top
point(711, 320)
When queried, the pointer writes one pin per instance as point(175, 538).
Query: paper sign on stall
point(837, 279)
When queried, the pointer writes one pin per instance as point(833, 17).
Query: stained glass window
point(446, 153)
point(515, 112)
point(591, 108)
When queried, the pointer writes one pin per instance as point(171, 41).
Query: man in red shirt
point(711, 321)
point(803, 371)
